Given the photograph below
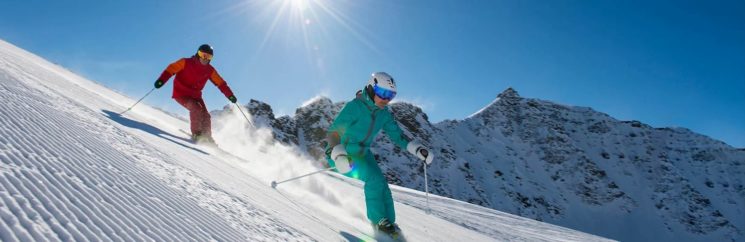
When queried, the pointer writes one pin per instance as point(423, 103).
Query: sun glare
point(308, 21)
point(299, 5)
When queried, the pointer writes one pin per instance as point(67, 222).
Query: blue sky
point(665, 63)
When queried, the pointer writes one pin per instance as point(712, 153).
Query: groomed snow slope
point(73, 169)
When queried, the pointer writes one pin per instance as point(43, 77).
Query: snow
point(560, 164)
point(73, 169)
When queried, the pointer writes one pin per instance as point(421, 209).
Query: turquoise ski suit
point(357, 125)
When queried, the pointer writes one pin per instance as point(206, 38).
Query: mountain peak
point(509, 96)
point(509, 92)
point(317, 101)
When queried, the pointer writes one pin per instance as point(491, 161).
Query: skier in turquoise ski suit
point(351, 134)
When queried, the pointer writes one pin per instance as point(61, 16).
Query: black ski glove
point(159, 83)
point(232, 99)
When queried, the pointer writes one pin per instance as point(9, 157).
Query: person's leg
point(378, 199)
point(377, 193)
point(205, 121)
point(194, 114)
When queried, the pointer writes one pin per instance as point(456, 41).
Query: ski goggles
point(204, 55)
point(383, 93)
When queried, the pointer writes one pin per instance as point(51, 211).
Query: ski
point(392, 236)
point(212, 146)
point(389, 237)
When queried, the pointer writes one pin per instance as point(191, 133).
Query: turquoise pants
point(378, 197)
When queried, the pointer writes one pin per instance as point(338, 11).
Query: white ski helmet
point(382, 85)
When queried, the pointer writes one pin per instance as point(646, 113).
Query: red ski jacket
point(191, 76)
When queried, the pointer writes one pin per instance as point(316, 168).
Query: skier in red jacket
point(191, 76)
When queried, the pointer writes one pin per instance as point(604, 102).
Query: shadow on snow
point(116, 117)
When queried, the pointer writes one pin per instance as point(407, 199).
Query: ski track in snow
point(498, 225)
point(74, 170)
point(40, 147)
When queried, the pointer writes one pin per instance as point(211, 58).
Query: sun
point(308, 22)
point(299, 5)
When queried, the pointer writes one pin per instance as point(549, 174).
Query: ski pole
point(244, 115)
point(138, 101)
point(275, 183)
point(426, 188)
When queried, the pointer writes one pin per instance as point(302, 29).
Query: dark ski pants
point(199, 117)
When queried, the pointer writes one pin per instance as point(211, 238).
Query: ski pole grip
point(423, 151)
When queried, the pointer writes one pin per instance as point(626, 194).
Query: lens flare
point(354, 173)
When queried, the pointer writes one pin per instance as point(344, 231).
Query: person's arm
point(221, 84)
point(171, 70)
point(415, 148)
point(342, 121)
point(394, 132)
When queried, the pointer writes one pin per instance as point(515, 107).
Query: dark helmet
point(206, 49)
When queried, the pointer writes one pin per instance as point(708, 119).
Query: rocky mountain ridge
point(556, 163)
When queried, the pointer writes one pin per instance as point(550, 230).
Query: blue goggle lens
point(384, 93)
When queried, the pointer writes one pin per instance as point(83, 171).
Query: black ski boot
point(390, 229)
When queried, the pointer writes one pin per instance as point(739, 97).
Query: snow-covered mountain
point(72, 168)
point(571, 166)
